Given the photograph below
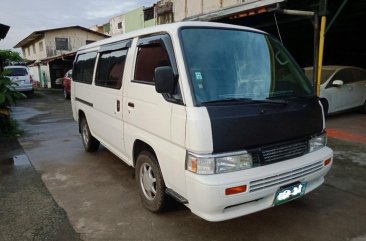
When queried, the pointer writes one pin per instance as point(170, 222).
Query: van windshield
point(227, 64)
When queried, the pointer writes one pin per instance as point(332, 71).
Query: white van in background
point(218, 116)
point(21, 76)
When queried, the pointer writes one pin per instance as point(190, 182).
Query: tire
point(66, 95)
point(363, 108)
point(90, 143)
point(150, 182)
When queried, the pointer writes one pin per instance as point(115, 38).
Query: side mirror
point(337, 83)
point(164, 80)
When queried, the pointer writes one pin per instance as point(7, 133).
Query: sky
point(27, 16)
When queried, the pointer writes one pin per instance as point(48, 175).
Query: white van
point(20, 75)
point(218, 116)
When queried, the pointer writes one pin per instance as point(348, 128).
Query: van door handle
point(118, 105)
point(130, 104)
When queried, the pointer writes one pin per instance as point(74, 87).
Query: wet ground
point(27, 209)
point(98, 193)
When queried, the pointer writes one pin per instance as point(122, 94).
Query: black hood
point(250, 125)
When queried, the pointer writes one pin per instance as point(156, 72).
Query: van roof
point(165, 27)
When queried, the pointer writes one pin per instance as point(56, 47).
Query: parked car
point(21, 76)
point(67, 84)
point(342, 88)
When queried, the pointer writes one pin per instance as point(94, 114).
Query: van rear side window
point(84, 67)
point(110, 69)
point(149, 57)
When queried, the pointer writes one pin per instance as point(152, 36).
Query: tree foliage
point(7, 55)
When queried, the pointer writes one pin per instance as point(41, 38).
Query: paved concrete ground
point(98, 191)
point(27, 209)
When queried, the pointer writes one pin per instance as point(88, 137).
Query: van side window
point(84, 67)
point(149, 57)
point(110, 69)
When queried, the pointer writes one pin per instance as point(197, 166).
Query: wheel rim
point(148, 181)
point(85, 134)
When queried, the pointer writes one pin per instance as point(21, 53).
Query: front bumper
point(206, 193)
point(24, 87)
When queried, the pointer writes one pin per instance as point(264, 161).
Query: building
point(169, 11)
point(138, 18)
point(52, 51)
point(117, 25)
point(97, 28)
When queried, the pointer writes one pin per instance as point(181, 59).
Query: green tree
point(8, 96)
point(8, 55)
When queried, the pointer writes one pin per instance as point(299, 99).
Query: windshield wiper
point(291, 96)
point(245, 100)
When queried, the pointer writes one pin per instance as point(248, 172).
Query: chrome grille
point(282, 178)
point(283, 152)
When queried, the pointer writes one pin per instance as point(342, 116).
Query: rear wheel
point(90, 143)
point(150, 182)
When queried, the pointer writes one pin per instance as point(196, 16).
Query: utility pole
point(319, 33)
point(322, 13)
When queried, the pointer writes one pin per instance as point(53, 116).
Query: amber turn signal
point(235, 190)
point(327, 162)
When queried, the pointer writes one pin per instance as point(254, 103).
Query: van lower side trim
point(84, 102)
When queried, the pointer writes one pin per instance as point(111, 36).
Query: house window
point(40, 45)
point(119, 25)
point(148, 13)
point(89, 41)
point(110, 69)
point(34, 48)
point(149, 57)
point(62, 44)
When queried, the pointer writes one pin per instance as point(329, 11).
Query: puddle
point(21, 161)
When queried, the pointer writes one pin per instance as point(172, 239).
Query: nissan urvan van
point(219, 117)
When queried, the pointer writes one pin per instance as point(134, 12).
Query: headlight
point(219, 163)
point(317, 142)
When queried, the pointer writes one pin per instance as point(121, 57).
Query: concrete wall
point(34, 71)
point(39, 52)
point(188, 8)
point(114, 30)
point(45, 78)
point(76, 38)
point(134, 19)
point(149, 23)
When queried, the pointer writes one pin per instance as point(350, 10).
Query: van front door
point(157, 119)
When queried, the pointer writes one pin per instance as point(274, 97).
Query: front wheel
point(150, 182)
point(91, 144)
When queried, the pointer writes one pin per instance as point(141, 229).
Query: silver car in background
point(21, 76)
point(342, 88)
